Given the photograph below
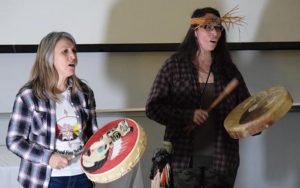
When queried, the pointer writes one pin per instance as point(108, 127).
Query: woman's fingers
point(58, 161)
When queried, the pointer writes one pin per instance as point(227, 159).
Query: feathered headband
point(227, 20)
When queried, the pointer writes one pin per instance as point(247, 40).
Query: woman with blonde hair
point(52, 118)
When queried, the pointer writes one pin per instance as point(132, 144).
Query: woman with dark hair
point(53, 117)
point(203, 153)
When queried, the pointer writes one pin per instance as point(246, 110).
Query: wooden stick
point(227, 90)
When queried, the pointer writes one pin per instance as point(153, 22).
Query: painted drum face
point(113, 150)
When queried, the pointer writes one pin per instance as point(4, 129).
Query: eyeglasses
point(211, 27)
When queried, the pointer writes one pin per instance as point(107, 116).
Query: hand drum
point(258, 112)
point(113, 150)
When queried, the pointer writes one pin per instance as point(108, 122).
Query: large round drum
point(113, 150)
point(258, 112)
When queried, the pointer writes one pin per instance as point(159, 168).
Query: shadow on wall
point(136, 21)
point(282, 152)
point(282, 165)
point(279, 143)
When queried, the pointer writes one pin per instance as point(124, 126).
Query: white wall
point(139, 21)
point(270, 160)
point(123, 80)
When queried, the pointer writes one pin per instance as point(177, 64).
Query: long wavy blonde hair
point(44, 77)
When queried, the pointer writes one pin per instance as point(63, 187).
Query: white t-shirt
point(68, 140)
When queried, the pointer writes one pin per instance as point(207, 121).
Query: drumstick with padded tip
point(227, 90)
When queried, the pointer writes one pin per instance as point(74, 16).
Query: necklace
point(205, 84)
point(206, 81)
point(205, 77)
point(203, 70)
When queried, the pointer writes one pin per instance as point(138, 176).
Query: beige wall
point(141, 21)
point(123, 80)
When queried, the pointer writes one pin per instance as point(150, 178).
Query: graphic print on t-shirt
point(67, 129)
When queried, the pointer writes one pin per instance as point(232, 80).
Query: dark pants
point(78, 181)
point(202, 178)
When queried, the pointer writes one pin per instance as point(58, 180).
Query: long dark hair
point(187, 50)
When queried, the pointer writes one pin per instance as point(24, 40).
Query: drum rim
point(237, 130)
point(127, 163)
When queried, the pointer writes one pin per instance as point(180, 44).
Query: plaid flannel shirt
point(174, 97)
point(31, 132)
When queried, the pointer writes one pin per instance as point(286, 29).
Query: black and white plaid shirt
point(174, 97)
point(31, 132)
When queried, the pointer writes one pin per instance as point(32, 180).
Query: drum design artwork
point(113, 150)
point(258, 112)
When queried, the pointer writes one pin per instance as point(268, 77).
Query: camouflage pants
point(202, 177)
